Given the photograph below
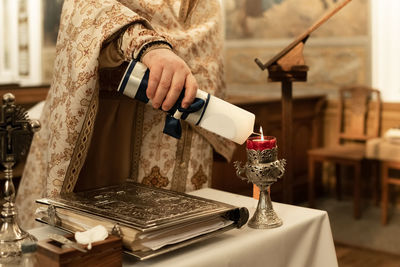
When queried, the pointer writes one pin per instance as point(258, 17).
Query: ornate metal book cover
point(142, 207)
point(135, 211)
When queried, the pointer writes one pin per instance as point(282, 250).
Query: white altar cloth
point(304, 239)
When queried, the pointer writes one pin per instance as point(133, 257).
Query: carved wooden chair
point(359, 120)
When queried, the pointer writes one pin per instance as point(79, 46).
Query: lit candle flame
point(262, 134)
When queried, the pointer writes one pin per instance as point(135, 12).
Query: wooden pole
point(287, 139)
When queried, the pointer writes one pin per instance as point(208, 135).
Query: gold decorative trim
point(210, 164)
point(199, 178)
point(155, 178)
point(178, 181)
point(137, 141)
point(81, 147)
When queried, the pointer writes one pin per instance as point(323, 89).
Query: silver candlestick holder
point(16, 132)
point(262, 169)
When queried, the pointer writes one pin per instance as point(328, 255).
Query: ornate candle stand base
point(262, 169)
point(16, 133)
point(11, 235)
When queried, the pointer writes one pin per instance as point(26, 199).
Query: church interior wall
point(338, 53)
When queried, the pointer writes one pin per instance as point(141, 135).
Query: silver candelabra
point(16, 132)
point(262, 169)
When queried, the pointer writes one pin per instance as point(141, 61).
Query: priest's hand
point(169, 74)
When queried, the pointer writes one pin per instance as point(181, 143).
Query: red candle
point(261, 142)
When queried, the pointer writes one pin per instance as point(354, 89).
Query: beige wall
point(337, 53)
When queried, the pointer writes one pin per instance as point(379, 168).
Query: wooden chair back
point(359, 114)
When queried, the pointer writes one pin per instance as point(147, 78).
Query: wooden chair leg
point(311, 182)
point(338, 182)
point(384, 192)
point(357, 190)
point(375, 181)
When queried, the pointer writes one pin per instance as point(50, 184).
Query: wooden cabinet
point(26, 96)
point(307, 133)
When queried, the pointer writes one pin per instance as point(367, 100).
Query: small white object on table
point(304, 239)
point(384, 149)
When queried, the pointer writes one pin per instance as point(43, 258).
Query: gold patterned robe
point(74, 105)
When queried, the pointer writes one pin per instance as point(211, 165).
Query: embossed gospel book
point(150, 221)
